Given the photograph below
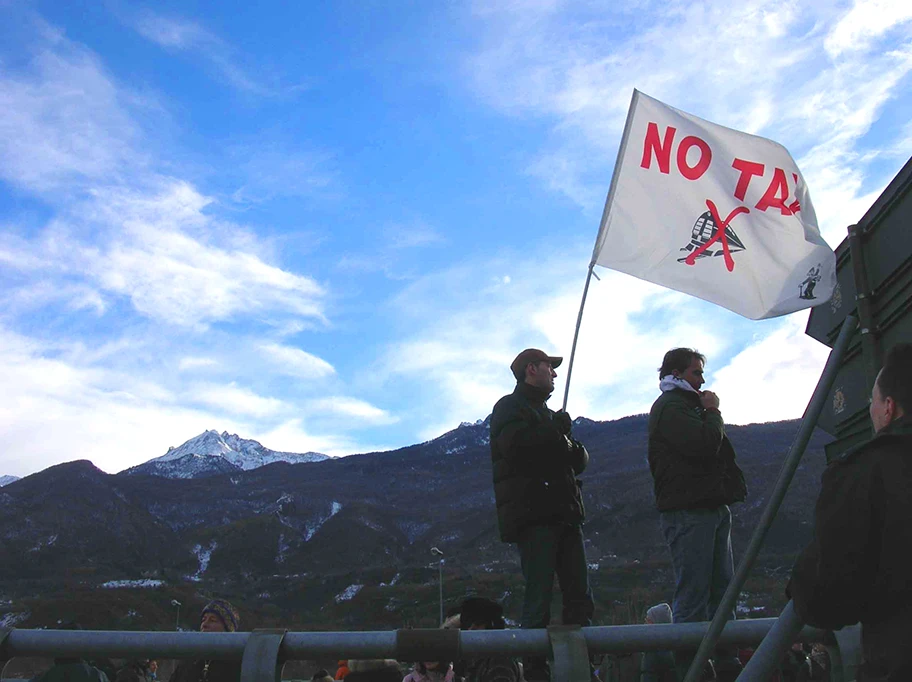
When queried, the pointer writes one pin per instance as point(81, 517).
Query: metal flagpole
point(805, 429)
point(579, 321)
point(599, 239)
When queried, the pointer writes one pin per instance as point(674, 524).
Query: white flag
point(715, 213)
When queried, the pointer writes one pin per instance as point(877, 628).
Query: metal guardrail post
point(261, 661)
point(792, 460)
point(570, 655)
point(766, 658)
point(4, 657)
point(848, 641)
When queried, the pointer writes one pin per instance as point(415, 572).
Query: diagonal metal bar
point(808, 424)
point(765, 660)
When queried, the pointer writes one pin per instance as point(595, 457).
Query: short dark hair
point(895, 380)
point(679, 359)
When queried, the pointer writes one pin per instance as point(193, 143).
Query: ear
point(890, 409)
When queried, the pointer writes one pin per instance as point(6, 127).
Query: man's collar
point(898, 427)
point(532, 393)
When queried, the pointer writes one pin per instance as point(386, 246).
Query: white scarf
point(670, 382)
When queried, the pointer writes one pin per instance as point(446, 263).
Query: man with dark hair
point(695, 479)
point(539, 502)
point(857, 566)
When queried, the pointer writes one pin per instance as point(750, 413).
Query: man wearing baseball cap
point(539, 502)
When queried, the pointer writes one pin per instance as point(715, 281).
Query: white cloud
point(54, 409)
point(191, 363)
point(234, 399)
point(296, 362)
point(182, 35)
point(865, 22)
point(353, 408)
point(293, 436)
point(774, 378)
point(64, 121)
point(815, 78)
point(70, 133)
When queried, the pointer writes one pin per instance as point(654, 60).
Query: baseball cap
point(518, 367)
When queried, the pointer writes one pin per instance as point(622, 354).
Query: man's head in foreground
point(535, 367)
point(685, 364)
point(891, 396)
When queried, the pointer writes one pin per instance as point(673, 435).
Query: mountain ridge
point(212, 453)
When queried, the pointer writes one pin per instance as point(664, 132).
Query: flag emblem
point(704, 234)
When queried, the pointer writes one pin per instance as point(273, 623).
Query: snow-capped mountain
point(212, 453)
point(6, 480)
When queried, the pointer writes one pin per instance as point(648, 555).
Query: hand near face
point(709, 400)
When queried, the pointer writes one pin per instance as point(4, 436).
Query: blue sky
point(331, 227)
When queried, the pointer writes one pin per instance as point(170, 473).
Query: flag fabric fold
point(715, 213)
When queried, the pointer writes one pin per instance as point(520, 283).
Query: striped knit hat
point(226, 613)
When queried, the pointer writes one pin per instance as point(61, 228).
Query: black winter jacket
point(691, 459)
point(857, 568)
point(197, 671)
point(534, 464)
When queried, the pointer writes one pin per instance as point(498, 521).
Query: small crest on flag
point(806, 288)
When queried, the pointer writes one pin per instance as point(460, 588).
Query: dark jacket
point(196, 671)
point(133, 671)
point(534, 464)
point(857, 568)
point(75, 671)
point(691, 459)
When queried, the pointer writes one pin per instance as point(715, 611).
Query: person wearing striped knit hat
point(217, 616)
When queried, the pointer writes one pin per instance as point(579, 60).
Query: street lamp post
point(177, 618)
point(437, 552)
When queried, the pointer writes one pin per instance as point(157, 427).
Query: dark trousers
point(546, 551)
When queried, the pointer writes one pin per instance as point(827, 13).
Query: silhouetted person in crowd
point(68, 669)
point(481, 613)
point(376, 670)
point(696, 478)
point(217, 616)
point(134, 670)
point(321, 676)
point(153, 670)
point(539, 501)
point(795, 665)
point(857, 566)
point(658, 666)
point(431, 671)
point(341, 669)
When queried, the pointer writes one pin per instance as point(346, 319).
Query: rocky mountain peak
point(212, 453)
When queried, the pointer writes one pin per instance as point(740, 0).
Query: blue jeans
point(701, 555)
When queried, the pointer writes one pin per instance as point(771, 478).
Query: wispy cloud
point(359, 410)
point(296, 362)
point(814, 78)
point(235, 400)
point(183, 35)
point(64, 121)
point(191, 363)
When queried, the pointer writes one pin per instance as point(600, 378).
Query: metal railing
point(263, 652)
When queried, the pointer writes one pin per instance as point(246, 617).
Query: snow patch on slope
point(203, 554)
